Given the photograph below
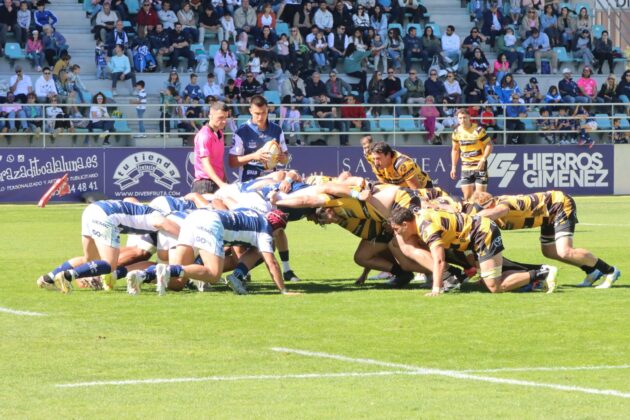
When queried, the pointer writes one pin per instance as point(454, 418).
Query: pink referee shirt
point(208, 144)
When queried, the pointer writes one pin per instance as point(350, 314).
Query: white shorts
point(166, 241)
point(145, 242)
point(203, 230)
point(96, 225)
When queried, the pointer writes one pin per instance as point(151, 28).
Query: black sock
point(396, 269)
point(454, 271)
point(603, 267)
point(587, 269)
point(284, 255)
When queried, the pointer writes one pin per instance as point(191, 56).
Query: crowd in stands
point(284, 46)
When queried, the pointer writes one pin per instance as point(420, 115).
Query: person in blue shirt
point(569, 90)
point(508, 88)
point(42, 17)
point(193, 90)
point(538, 45)
point(514, 114)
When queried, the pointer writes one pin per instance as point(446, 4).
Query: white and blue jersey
point(167, 204)
point(247, 139)
point(246, 227)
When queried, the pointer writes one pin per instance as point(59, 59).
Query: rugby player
point(102, 223)
point(555, 213)
point(441, 230)
point(392, 167)
point(472, 144)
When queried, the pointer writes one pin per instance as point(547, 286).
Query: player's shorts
point(146, 242)
point(562, 221)
point(486, 239)
point(474, 176)
point(96, 225)
point(203, 230)
point(166, 241)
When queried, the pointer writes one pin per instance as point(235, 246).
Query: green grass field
point(216, 349)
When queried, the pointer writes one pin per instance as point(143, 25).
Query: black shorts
point(474, 176)
point(561, 223)
point(204, 186)
point(487, 241)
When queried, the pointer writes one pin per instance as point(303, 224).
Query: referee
point(209, 151)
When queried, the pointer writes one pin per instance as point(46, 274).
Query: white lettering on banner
point(550, 170)
point(426, 163)
point(500, 165)
point(133, 167)
point(54, 165)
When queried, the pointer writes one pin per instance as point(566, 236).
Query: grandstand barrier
point(26, 173)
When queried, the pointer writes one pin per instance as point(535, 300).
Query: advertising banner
point(25, 174)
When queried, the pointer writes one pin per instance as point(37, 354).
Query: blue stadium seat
point(407, 122)
point(133, 6)
point(396, 26)
point(603, 121)
point(374, 125)
point(212, 50)
point(13, 51)
point(121, 126)
point(272, 96)
point(597, 30)
point(579, 6)
point(387, 123)
point(197, 49)
point(282, 28)
point(436, 29)
point(625, 125)
point(563, 55)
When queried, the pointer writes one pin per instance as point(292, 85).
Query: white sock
point(286, 266)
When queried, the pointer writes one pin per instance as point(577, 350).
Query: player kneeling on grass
point(441, 230)
point(101, 225)
point(206, 232)
point(556, 214)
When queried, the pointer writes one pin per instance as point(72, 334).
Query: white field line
point(235, 378)
point(546, 369)
point(604, 224)
point(456, 375)
point(21, 313)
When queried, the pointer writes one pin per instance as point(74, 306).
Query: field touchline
point(455, 374)
point(20, 313)
point(546, 369)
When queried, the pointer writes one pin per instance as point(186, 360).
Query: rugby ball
point(273, 148)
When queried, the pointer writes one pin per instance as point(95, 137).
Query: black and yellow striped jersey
point(402, 169)
point(363, 228)
point(351, 208)
point(431, 193)
point(406, 198)
point(319, 179)
point(524, 211)
point(472, 143)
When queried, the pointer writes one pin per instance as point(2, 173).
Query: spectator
point(565, 125)
point(585, 125)
point(488, 121)
point(43, 17)
point(323, 19)
point(208, 151)
point(245, 18)
point(553, 96)
point(209, 22)
point(192, 89)
point(160, 42)
point(254, 64)
point(378, 48)
point(302, 19)
point(33, 114)
point(265, 44)
point(378, 21)
point(140, 101)
point(99, 118)
point(361, 20)
point(475, 92)
point(515, 10)
point(618, 136)
point(477, 66)
point(538, 45)
point(212, 88)
point(231, 95)
point(415, 90)
point(395, 47)
point(514, 114)
point(120, 69)
point(413, 47)
point(167, 16)
point(63, 63)
point(58, 120)
point(508, 89)
point(282, 52)
point(225, 64)
point(394, 92)
point(434, 86)
point(451, 45)
point(54, 44)
point(532, 94)
point(290, 122)
point(506, 44)
point(315, 87)
point(227, 30)
point(250, 87)
point(8, 21)
point(65, 89)
point(376, 91)
point(325, 114)
point(337, 89)
point(431, 46)
point(337, 44)
point(491, 90)
point(587, 85)
point(452, 88)
point(472, 42)
point(288, 10)
point(354, 117)
point(318, 49)
point(566, 25)
point(174, 82)
point(414, 7)
point(546, 126)
point(105, 22)
point(168, 99)
point(35, 50)
point(188, 19)
point(583, 20)
point(582, 47)
point(569, 90)
point(45, 86)
point(429, 115)
point(119, 37)
point(180, 43)
point(146, 19)
point(608, 91)
point(100, 59)
point(292, 85)
point(603, 52)
point(23, 24)
point(20, 84)
point(352, 66)
point(242, 50)
point(266, 18)
point(549, 25)
point(529, 23)
point(492, 23)
point(501, 66)
point(12, 111)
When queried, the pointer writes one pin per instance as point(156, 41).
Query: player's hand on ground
point(434, 293)
point(291, 293)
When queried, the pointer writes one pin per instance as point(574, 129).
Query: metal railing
point(392, 122)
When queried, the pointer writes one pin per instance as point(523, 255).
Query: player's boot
point(383, 275)
point(591, 278)
point(46, 282)
point(610, 279)
point(62, 283)
point(163, 274)
point(290, 276)
point(401, 280)
point(236, 285)
point(134, 279)
point(551, 279)
point(109, 281)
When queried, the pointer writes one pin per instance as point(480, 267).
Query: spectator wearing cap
point(569, 90)
point(515, 112)
point(413, 47)
point(43, 17)
point(337, 89)
point(492, 23)
point(105, 21)
point(582, 47)
point(532, 94)
point(146, 19)
point(587, 85)
point(538, 44)
point(20, 84)
point(35, 50)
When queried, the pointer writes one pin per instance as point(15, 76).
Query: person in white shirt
point(20, 85)
point(227, 25)
point(167, 16)
point(451, 45)
point(323, 19)
point(45, 86)
point(211, 88)
point(453, 89)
